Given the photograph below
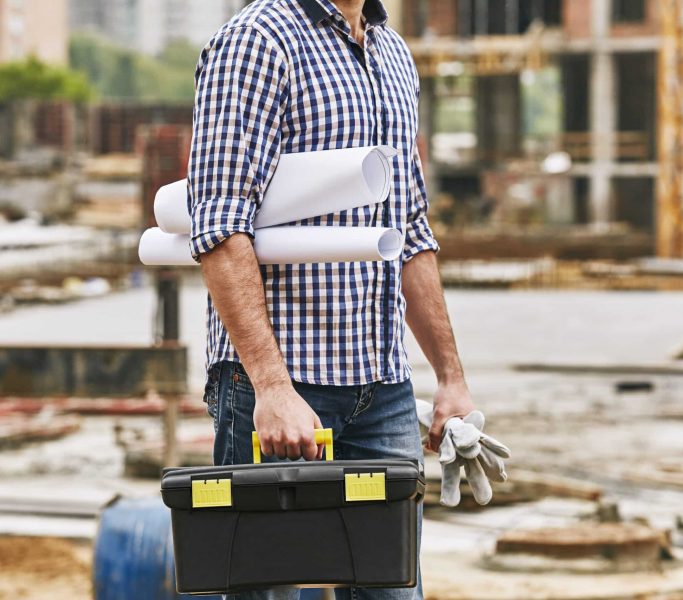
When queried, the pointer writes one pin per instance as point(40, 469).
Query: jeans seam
point(233, 391)
point(216, 393)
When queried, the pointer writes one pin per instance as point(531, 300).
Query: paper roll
point(305, 184)
point(158, 248)
point(311, 184)
point(295, 245)
point(170, 208)
point(286, 245)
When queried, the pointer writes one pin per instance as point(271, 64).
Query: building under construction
point(608, 156)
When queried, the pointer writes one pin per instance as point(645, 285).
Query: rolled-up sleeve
point(241, 89)
point(419, 236)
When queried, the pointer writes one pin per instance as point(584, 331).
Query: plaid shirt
point(286, 76)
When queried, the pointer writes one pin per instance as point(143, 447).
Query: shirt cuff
point(216, 220)
point(419, 237)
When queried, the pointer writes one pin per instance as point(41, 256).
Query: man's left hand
point(450, 400)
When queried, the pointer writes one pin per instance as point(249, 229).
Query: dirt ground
point(39, 568)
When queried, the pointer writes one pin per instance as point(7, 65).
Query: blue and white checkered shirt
point(286, 76)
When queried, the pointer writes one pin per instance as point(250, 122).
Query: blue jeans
point(369, 421)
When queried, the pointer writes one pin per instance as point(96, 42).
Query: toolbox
point(319, 524)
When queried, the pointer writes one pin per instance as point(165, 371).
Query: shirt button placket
point(374, 71)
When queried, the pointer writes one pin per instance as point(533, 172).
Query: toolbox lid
point(293, 485)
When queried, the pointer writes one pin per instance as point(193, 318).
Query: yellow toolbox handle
point(322, 436)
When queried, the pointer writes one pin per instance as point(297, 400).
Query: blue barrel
point(134, 553)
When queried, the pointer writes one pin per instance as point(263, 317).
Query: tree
point(122, 74)
point(32, 78)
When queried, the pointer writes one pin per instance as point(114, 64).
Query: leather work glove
point(464, 444)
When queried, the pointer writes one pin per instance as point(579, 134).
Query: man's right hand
point(286, 424)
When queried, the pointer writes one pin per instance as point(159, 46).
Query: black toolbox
point(341, 524)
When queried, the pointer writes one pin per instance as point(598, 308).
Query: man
point(297, 347)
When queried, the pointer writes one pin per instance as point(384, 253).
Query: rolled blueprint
point(293, 245)
point(286, 245)
point(158, 248)
point(305, 184)
point(310, 184)
point(170, 207)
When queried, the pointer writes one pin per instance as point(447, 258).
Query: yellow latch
point(322, 436)
point(210, 493)
point(365, 486)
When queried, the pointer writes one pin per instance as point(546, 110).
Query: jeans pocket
point(211, 390)
point(241, 380)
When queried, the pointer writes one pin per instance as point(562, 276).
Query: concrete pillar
point(603, 114)
point(498, 117)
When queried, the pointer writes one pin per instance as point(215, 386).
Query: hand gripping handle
point(322, 436)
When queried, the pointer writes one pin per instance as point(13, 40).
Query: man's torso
point(340, 323)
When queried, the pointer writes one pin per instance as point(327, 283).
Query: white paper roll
point(286, 245)
point(295, 245)
point(305, 184)
point(170, 208)
point(311, 184)
point(158, 248)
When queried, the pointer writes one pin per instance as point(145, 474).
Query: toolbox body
point(338, 524)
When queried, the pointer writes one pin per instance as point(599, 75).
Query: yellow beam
point(670, 132)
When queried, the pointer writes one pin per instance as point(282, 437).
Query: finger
point(293, 450)
point(469, 452)
point(493, 466)
point(450, 484)
point(280, 450)
point(435, 435)
point(464, 434)
point(309, 449)
point(425, 445)
point(267, 449)
point(481, 488)
point(321, 449)
point(495, 446)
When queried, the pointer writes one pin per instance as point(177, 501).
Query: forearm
point(427, 317)
point(232, 275)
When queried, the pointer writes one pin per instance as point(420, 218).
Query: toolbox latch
point(363, 487)
point(211, 493)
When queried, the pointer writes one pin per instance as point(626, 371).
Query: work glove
point(464, 444)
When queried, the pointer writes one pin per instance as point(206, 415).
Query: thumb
point(436, 434)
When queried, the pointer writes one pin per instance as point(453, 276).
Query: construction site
point(551, 133)
point(607, 160)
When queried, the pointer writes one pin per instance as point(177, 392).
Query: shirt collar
point(373, 10)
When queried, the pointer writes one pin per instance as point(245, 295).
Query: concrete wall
point(650, 26)
point(441, 17)
point(577, 18)
point(38, 27)
point(11, 31)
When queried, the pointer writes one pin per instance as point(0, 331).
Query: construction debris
point(152, 405)
point(37, 567)
point(18, 431)
point(613, 546)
